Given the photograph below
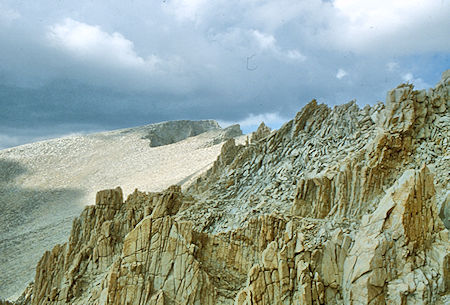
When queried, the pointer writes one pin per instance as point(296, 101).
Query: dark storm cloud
point(80, 66)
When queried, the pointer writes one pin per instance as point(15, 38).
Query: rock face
point(175, 131)
point(45, 185)
point(339, 206)
point(262, 132)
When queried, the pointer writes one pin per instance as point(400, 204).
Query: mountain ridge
point(338, 206)
point(45, 185)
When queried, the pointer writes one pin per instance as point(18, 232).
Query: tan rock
point(287, 219)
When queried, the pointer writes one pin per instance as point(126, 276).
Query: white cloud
point(403, 26)
point(341, 73)
point(267, 42)
point(369, 26)
point(256, 42)
point(7, 14)
point(408, 77)
point(295, 55)
point(186, 9)
point(252, 121)
point(418, 82)
point(272, 15)
point(392, 66)
point(191, 58)
point(89, 42)
point(268, 118)
point(110, 59)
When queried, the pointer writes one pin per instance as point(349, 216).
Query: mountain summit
point(338, 206)
point(45, 185)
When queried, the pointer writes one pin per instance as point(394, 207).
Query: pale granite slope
point(44, 185)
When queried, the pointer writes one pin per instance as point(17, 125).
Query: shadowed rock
point(336, 207)
point(174, 131)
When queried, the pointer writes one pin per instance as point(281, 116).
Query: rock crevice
point(339, 206)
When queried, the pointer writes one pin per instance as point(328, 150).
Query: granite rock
point(338, 206)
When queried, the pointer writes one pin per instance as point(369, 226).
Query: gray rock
point(175, 131)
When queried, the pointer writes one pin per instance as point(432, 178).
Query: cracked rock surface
point(338, 206)
point(45, 185)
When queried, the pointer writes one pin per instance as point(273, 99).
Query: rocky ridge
point(170, 132)
point(339, 206)
point(45, 185)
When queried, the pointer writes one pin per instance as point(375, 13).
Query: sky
point(70, 67)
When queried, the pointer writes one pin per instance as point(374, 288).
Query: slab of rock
point(175, 131)
point(339, 206)
point(45, 185)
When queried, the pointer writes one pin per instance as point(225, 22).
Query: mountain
point(45, 185)
point(338, 206)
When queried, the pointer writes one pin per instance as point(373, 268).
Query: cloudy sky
point(82, 66)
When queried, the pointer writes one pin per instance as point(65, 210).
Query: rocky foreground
point(339, 206)
point(45, 185)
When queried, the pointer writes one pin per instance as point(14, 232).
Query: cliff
point(45, 185)
point(339, 206)
point(170, 132)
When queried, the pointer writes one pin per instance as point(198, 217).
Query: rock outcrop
point(170, 132)
point(45, 185)
point(339, 206)
point(262, 132)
